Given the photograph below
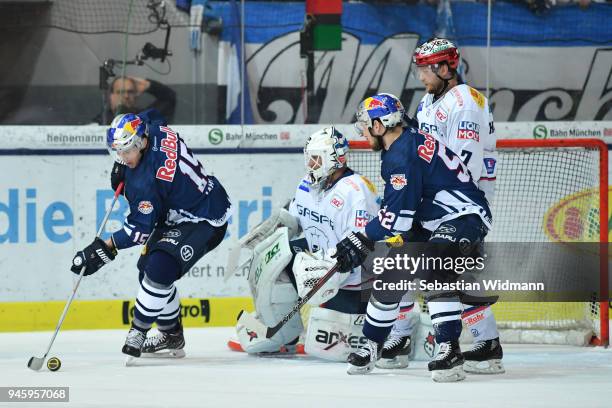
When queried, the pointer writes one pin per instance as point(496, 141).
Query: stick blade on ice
point(36, 363)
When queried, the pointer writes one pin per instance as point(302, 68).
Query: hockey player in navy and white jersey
point(177, 211)
point(330, 202)
point(455, 113)
point(429, 195)
point(459, 116)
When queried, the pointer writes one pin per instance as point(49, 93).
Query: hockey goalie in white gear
point(329, 202)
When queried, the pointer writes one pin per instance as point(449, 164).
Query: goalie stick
point(36, 363)
point(249, 320)
point(252, 324)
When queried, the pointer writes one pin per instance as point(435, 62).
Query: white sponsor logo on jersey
point(441, 115)
point(337, 202)
point(361, 218)
point(426, 150)
point(186, 252)
point(468, 130)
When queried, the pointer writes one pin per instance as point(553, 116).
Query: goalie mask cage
point(562, 188)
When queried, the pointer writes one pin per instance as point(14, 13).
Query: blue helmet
point(125, 132)
point(383, 106)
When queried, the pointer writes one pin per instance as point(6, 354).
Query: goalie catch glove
point(352, 251)
point(92, 257)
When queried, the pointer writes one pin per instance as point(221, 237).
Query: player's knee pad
point(162, 268)
point(332, 335)
point(273, 294)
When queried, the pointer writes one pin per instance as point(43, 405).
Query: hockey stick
point(249, 320)
point(252, 324)
point(36, 363)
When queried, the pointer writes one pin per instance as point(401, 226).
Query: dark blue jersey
point(169, 187)
point(424, 182)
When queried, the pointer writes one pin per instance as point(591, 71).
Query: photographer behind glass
point(123, 97)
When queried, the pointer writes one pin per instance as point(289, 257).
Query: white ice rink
point(213, 376)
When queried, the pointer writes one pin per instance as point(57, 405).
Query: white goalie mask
point(325, 152)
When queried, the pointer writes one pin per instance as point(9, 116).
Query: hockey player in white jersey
point(459, 116)
point(330, 202)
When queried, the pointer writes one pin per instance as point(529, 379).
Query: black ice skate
point(362, 361)
point(133, 342)
point(395, 352)
point(448, 364)
point(165, 344)
point(484, 358)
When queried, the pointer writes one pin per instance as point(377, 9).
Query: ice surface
point(213, 376)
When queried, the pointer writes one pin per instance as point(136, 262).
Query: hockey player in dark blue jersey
point(177, 211)
point(429, 196)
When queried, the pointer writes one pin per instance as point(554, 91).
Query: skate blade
point(354, 370)
point(396, 362)
point(130, 361)
point(451, 375)
point(484, 367)
point(180, 353)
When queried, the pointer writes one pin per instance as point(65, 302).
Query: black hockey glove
point(352, 251)
point(117, 175)
point(93, 257)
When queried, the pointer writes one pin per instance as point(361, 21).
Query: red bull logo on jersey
point(169, 145)
point(468, 130)
point(398, 181)
point(427, 149)
point(145, 207)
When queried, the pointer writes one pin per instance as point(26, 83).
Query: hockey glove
point(352, 251)
point(117, 175)
point(93, 257)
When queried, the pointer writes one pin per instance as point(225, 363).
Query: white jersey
point(329, 216)
point(461, 120)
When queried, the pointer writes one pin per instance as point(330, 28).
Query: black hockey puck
point(54, 364)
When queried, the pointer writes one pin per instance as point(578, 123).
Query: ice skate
point(165, 344)
point(484, 358)
point(363, 360)
point(395, 352)
point(448, 364)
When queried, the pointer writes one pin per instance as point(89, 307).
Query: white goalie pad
point(279, 218)
point(332, 335)
point(308, 268)
point(273, 294)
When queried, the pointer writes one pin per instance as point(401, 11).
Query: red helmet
point(435, 51)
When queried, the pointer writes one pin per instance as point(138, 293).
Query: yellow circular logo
point(575, 218)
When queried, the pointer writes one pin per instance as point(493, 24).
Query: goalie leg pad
point(273, 294)
point(333, 335)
